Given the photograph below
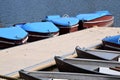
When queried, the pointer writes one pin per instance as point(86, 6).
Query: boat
point(111, 42)
point(97, 54)
point(40, 30)
point(90, 66)
point(45, 75)
point(96, 19)
point(66, 24)
point(12, 36)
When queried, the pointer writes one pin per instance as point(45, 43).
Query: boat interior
point(101, 66)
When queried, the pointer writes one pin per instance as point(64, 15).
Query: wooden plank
point(38, 55)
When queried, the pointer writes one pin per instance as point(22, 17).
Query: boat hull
point(64, 29)
point(110, 46)
point(34, 36)
point(6, 43)
point(45, 75)
point(104, 21)
point(67, 67)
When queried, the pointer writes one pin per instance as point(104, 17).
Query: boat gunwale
point(47, 74)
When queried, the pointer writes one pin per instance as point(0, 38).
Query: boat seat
point(107, 70)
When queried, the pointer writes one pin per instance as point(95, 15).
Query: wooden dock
point(40, 54)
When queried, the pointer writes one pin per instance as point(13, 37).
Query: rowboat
point(97, 54)
point(96, 19)
point(40, 30)
point(112, 42)
point(65, 24)
point(91, 66)
point(12, 36)
point(45, 75)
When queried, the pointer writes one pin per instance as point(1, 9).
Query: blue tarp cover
point(40, 27)
point(113, 39)
point(91, 16)
point(63, 21)
point(50, 17)
point(13, 33)
point(66, 21)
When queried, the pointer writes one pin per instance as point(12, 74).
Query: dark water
point(18, 11)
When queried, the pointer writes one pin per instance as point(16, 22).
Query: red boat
point(104, 21)
point(97, 19)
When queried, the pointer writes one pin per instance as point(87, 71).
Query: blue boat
point(112, 42)
point(98, 18)
point(65, 24)
point(40, 30)
point(11, 36)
